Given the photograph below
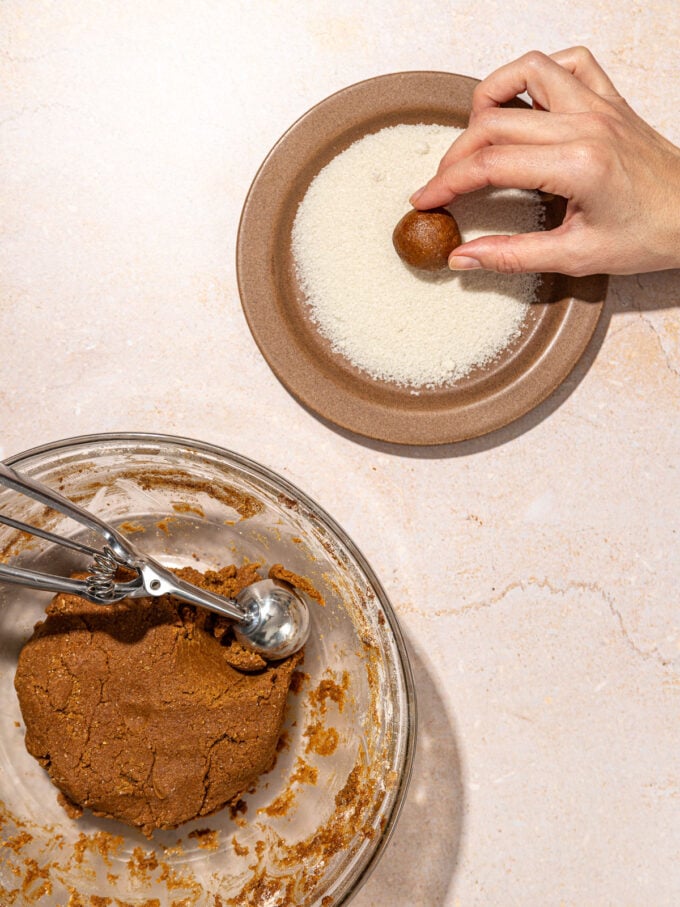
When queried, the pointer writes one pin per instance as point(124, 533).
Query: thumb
point(552, 250)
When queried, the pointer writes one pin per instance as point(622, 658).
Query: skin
point(582, 141)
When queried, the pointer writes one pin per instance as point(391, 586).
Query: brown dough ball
point(425, 239)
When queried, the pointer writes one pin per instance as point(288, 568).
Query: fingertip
point(432, 195)
point(463, 263)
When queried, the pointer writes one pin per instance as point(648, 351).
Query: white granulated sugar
point(411, 328)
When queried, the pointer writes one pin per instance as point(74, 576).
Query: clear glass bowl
point(190, 503)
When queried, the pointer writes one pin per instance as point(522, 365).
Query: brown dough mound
point(148, 711)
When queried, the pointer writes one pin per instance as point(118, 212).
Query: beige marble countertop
point(535, 571)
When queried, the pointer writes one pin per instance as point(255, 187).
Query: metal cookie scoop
point(269, 618)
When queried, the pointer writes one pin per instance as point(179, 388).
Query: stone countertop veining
point(534, 571)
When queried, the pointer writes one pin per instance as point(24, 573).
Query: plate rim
point(357, 413)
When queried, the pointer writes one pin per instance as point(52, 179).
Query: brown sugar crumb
point(206, 838)
point(174, 850)
point(101, 843)
point(391, 779)
point(290, 503)
point(183, 483)
point(327, 901)
point(298, 680)
point(17, 842)
point(346, 797)
point(164, 525)
point(266, 889)
point(321, 740)
point(141, 864)
point(149, 902)
point(239, 849)
point(239, 808)
point(129, 527)
point(281, 806)
point(329, 689)
point(19, 541)
point(98, 901)
point(184, 507)
point(72, 810)
point(279, 572)
point(174, 881)
point(283, 742)
point(304, 772)
point(36, 883)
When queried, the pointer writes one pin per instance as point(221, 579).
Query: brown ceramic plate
point(554, 336)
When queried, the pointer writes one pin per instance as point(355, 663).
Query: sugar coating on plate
point(395, 324)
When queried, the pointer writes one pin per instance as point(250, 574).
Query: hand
point(582, 141)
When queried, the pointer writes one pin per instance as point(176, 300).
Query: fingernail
point(416, 195)
point(463, 263)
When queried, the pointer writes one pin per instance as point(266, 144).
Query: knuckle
point(487, 158)
point(509, 260)
point(443, 184)
point(599, 158)
point(478, 96)
point(576, 255)
point(596, 121)
point(535, 59)
point(581, 54)
point(485, 165)
point(486, 119)
point(578, 267)
point(591, 158)
point(604, 122)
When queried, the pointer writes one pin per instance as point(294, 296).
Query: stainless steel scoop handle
point(44, 495)
point(153, 580)
point(159, 581)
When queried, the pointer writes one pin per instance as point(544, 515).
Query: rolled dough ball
point(425, 239)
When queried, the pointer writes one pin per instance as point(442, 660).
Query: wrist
point(668, 224)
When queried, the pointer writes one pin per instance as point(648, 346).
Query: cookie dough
point(148, 711)
point(425, 239)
